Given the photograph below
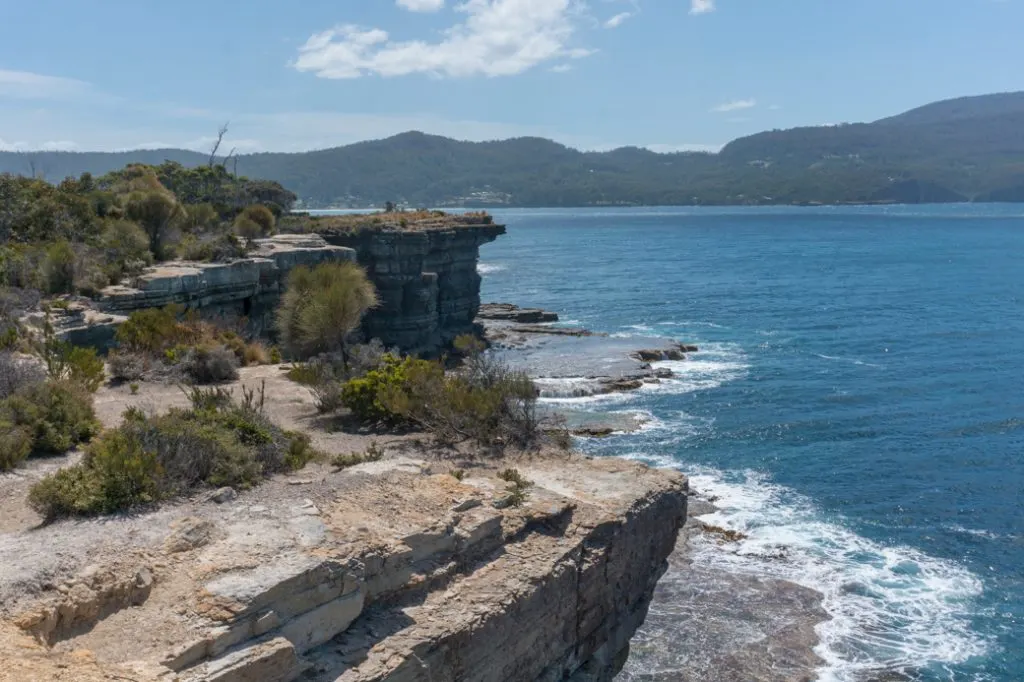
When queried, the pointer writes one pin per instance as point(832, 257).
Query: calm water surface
point(858, 404)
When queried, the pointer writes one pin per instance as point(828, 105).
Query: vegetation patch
point(518, 486)
point(44, 418)
point(484, 402)
point(372, 453)
point(219, 441)
point(322, 306)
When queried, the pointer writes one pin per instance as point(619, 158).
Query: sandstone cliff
point(427, 280)
point(386, 571)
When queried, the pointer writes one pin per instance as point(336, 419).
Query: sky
point(593, 74)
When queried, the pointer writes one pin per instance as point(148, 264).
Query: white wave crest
point(488, 268)
point(892, 607)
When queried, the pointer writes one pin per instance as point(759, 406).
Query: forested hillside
point(956, 150)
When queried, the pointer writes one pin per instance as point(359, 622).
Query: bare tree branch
point(220, 138)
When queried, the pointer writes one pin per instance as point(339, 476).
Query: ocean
point(857, 405)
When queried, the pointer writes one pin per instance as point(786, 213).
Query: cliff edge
point(399, 569)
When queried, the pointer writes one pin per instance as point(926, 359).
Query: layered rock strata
point(382, 572)
point(248, 287)
point(427, 280)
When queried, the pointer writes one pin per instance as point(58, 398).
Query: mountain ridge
point(962, 149)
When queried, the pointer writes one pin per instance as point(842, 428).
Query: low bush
point(15, 445)
point(262, 216)
point(374, 397)
point(328, 396)
point(217, 442)
point(56, 415)
point(372, 453)
point(59, 268)
point(153, 330)
point(322, 306)
point(487, 402)
point(125, 249)
point(208, 364)
point(518, 486)
point(17, 372)
point(74, 363)
point(255, 353)
point(126, 366)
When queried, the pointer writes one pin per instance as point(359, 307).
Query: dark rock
point(621, 384)
point(593, 431)
point(513, 313)
point(675, 352)
point(427, 281)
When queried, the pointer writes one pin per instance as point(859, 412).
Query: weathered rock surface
point(427, 280)
point(384, 572)
point(248, 287)
point(513, 313)
point(674, 352)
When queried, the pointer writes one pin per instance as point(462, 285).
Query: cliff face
point(427, 281)
point(381, 572)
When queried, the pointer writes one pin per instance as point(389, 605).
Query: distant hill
point(967, 149)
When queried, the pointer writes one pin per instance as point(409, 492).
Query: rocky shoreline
point(705, 624)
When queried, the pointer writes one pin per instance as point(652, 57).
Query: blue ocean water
point(857, 405)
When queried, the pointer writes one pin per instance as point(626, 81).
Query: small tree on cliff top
point(322, 306)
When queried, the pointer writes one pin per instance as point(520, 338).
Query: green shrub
point(300, 451)
point(15, 445)
point(72, 491)
point(218, 442)
point(159, 214)
point(486, 402)
point(151, 330)
point(322, 306)
point(59, 268)
point(128, 473)
point(207, 364)
point(275, 355)
point(247, 229)
point(518, 486)
point(262, 216)
point(377, 397)
point(74, 363)
point(57, 414)
point(125, 248)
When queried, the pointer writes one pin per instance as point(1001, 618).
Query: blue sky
point(594, 74)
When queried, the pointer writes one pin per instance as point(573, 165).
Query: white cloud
point(26, 85)
point(421, 5)
point(618, 20)
point(497, 38)
point(6, 146)
point(735, 105)
point(561, 68)
point(702, 6)
point(58, 146)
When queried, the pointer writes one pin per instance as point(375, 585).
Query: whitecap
point(489, 268)
point(891, 607)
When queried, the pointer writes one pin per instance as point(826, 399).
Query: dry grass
point(411, 221)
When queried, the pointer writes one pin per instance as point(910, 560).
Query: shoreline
point(705, 623)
